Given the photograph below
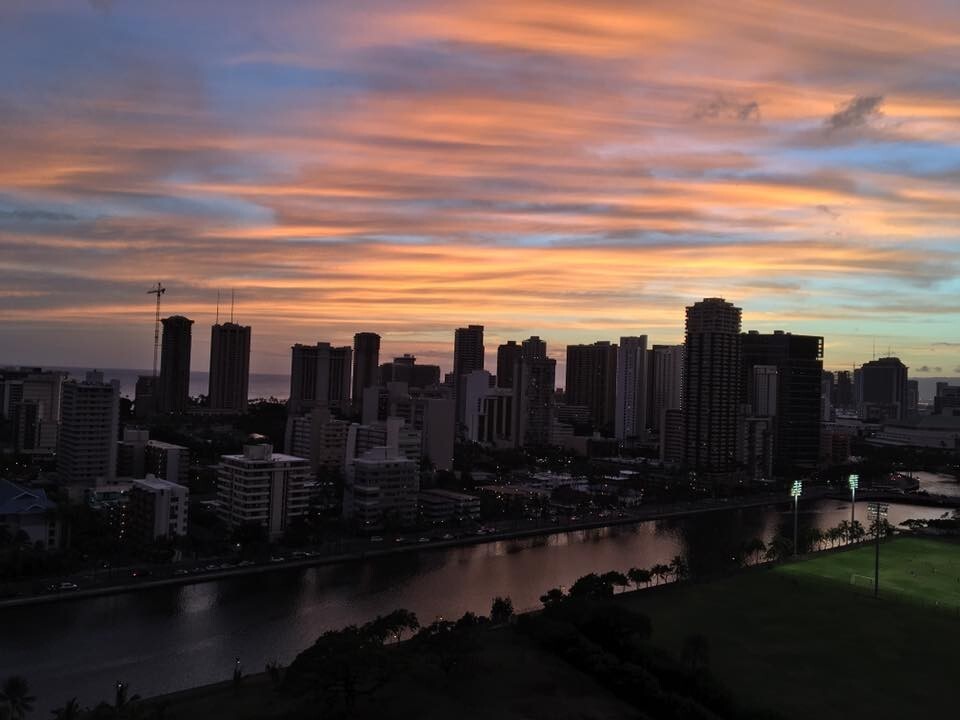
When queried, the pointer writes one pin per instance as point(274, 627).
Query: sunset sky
point(576, 170)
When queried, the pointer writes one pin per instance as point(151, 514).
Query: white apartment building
point(261, 486)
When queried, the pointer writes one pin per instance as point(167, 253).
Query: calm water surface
point(171, 638)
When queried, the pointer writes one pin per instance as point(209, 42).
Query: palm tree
point(843, 530)
point(70, 711)
point(639, 575)
point(679, 567)
point(756, 546)
point(16, 695)
point(660, 571)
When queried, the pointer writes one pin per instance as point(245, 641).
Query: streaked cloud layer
point(575, 170)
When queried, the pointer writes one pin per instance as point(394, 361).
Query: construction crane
point(158, 291)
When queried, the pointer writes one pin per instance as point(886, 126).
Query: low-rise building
point(30, 511)
point(157, 509)
point(262, 487)
point(440, 507)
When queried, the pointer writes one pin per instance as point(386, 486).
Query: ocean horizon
point(262, 385)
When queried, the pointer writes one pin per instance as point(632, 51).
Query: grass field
point(922, 570)
point(799, 639)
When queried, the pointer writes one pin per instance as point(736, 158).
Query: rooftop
point(15, 500)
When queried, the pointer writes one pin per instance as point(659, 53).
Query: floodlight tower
point(854, 481)
point(158, 291)
point(795, 491)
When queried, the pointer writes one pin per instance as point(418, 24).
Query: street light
point(854, 481)
point(795, 494)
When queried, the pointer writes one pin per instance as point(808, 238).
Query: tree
point(779, 548)
point(342, 665)
point(15, 694)
point(754, 546)
point(679, 567)
point(639, 575)
point(813, 538)
point(395, 623)
point(591, 585)
point(501, 611)
point(448, 644)
point(856, 531)
point(615, 579)
point(552, 597)
point(660, 571)
point(696, 652)
point(69, 711)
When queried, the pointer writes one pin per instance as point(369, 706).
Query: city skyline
point(576, 172)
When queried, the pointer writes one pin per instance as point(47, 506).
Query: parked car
point(61, 587)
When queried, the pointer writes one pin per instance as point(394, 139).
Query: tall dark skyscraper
point(174, 378)
point(366, 364)
point(592, 382)
point(712, 390)
point(533, 394)
point(319, 377)
point(508, 355)
point(793, 401)
point(467, 357)
point(843, 396)
point(883, 389)
point(229, 367)
point(630, 411)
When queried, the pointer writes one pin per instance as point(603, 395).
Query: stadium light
point(854, 482)
point(795, 492)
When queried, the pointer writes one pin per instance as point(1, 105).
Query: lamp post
point(795, 494)
point(854, 481)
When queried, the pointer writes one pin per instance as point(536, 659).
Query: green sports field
point(801, 640)
point(916, 569)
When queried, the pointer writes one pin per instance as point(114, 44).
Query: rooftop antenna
point(158, 291)
point(217, 322)
point(231, 306)
point(874, 348)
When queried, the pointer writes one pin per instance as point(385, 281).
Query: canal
point(170, 638)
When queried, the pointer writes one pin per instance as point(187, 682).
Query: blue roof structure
point(15, 500)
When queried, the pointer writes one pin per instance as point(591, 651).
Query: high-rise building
point(843, 398)
point(319, 377)
point(712, 390)
point(145, 396)
point(467, 357)
point(174, 382)
point(534, 394)
point(782, 379)
point(913, 397)
point(762, 390)
point(229, 367)
point(592, 381)
point(33, 407)
point(366, 362)
point(405, 369)
point(89, 430)
point(508, 355)
point(630, 415)
point(262, 487)
point(665, 387)
point(827, 383)
point(883, 389)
